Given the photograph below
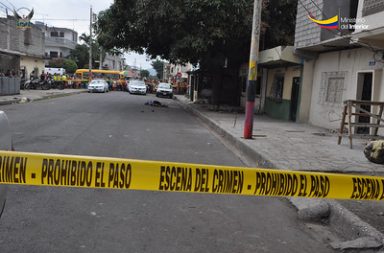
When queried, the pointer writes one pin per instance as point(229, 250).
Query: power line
point(7, 8)
point(61, 19)
point(3, 10)
point(11, 4)
point(321, 10)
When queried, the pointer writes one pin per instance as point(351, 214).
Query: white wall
point(30, 63)
point(374, 20)
point(351, 61)
point(306, 91)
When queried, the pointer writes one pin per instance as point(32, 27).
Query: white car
point(164, 90)
point(98, 85)
point(137, 87)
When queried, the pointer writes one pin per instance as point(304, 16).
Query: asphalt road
point(41, 219)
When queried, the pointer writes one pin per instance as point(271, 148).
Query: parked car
point(164, 90)
point(137, 87)
point(5, 144)
point(98, 85)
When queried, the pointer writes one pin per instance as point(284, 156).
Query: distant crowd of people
point(9, 73)
point(68, 81)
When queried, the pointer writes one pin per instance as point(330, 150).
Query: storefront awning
point(278, 56)
point(11, 52)
point(337, 43)
point(374, 38)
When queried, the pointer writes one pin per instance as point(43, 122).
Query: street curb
point(29, 100)
point(57, 95)
point(9, 102)
point(340, 218)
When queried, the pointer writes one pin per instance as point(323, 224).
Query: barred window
point(335, 90)
point(332, 88)
point(277, 87)
point(372, 7)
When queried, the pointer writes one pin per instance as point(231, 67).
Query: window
point(53, 54)
point(28, 37)
point(258, 86)
point(277, 87)
point(372, 6)
point(332, 88)
point(335, 90)
point(54, 34)
point(62, 34)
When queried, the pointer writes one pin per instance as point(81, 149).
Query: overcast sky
point(74, 14)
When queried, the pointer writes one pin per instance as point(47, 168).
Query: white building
point(58, 41)
point(341, 64)
point(176, 72)
point(113, 62)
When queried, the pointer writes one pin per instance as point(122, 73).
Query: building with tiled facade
point(342, 64)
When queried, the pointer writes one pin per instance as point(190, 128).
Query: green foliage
point(80, 55)
point(177, 30)
point(69, 65)
point(144, 73)
point(279, 23)
point(194, 31)
point(159, 67)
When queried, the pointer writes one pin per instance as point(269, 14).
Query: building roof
point(42, 27)
point(278, 56)
point(11, 52)
point(374, 37)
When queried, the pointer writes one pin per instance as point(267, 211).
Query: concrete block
point(359, 243)
point(311, 209)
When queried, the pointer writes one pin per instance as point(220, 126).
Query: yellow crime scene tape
point(22, 168)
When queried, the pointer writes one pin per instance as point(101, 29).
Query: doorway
point(294, 99)
point(364, 92)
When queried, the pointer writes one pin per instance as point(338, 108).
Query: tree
point(144, 73)
point(69, 65)
point(158, 65)
point(164, 28)
point(212, 33)
point(278, 22)
point(80, 55)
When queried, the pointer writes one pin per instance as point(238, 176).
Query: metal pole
point(101, 58)
point(252, 74)
point(90, 44)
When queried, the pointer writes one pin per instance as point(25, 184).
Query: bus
point(114, 78)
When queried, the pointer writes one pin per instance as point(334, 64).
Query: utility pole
point(101, 58)
point(252, 73)
point(90, 43)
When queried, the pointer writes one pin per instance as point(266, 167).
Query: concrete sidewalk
point(35, 95)
point(287, 145)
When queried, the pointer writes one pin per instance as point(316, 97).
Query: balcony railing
point(60, 42)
